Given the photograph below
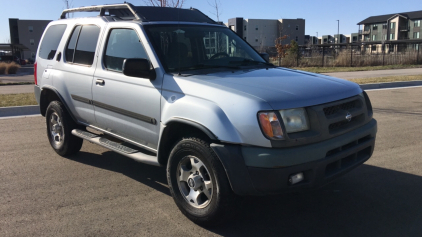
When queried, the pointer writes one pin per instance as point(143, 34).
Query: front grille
point(334, 127)
point(336, 108)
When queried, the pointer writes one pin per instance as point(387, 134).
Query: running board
point(117, 147)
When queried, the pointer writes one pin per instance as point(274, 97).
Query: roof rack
point(127, 11)
point(123, 7)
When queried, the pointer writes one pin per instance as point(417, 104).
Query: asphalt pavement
point(376, 73)
point(17, 78)
point(16, 89)
point(100, 193)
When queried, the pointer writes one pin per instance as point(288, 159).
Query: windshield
point(193, 47)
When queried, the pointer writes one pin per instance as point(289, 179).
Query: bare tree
point(165, 3)
point(216, 8)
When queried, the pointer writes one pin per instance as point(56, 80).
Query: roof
point(127, 11)
point(384, 18)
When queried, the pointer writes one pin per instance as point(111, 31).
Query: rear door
point(126, 106)
point(76, 69)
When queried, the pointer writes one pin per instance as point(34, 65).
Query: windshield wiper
point(248, 61)
point(205, 66)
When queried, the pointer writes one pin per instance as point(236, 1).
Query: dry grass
point(9, 68)
point(353, 69)
point(386, 79)
point(3, 67)
point(12, 68)
point(7, 100)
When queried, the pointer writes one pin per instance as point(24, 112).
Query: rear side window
point(51, 41)
point(82, 44)
point(122, 44)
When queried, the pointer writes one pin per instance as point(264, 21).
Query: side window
point(86, 45)
point(51, 41)
point(70, 49)
point(82, 44)
point(122, 44)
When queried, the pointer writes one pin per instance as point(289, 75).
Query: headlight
point(295, 120)
point(270, 125)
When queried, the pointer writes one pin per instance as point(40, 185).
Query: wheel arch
point(50, 94)
point(175, 129)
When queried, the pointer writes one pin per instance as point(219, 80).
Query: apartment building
point(354, 38)
point(391, 27)
point(262, 33)
point(340, 39)
point(327, 39)
point(27, 33)
point(311, 40)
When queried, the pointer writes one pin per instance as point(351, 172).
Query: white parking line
point(394, 88)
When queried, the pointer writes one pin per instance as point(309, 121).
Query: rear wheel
point(59, 130)
point(198, 182)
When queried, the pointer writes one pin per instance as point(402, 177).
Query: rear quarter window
point(51, 41)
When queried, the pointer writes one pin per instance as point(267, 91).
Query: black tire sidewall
point(198, 149)
point(71, 144)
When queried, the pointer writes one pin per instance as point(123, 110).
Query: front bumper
point(259, 171)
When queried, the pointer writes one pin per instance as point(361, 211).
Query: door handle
point(100, 82)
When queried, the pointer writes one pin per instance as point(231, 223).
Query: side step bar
point(117, 147)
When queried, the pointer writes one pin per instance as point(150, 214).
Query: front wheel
point(59, 130)
point(198, 182)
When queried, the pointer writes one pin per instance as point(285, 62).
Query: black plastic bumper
point(260, 181)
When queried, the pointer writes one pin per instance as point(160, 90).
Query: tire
point(207, 199)
point(59, 130)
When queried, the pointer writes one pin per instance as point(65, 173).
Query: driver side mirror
point(138, 67)
point(265, 56)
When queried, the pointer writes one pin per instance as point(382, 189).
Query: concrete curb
point(390, 85)
point(19, 111)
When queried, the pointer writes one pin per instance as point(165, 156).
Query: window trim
point(68, 41)
point(106, 43)
point(76, 44)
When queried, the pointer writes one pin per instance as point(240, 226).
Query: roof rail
point(102, 9)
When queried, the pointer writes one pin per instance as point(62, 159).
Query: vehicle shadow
point(149, 175)
point(369, 201)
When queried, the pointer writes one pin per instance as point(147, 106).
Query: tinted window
point(122, 44)
point(87, 42)
point(189, 47)
point(51, 41)
point(70, 49)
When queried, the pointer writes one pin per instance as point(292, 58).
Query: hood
point(284, 88)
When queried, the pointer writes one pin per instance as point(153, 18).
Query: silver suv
point(172, 88)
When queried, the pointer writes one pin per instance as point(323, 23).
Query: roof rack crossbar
point(102, 9)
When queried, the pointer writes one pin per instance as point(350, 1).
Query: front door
point(126, 106)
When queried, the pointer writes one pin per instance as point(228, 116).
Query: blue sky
point(321, 16)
